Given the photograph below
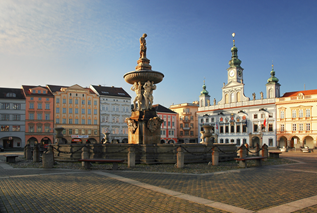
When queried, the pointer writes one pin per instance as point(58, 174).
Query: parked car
point(1, 148)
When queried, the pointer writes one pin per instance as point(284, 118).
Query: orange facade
point(39, 115)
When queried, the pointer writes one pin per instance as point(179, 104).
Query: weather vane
point(233, 35)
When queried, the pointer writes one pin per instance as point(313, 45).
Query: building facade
point(235, 118)
point(77, 111)
point(169, 126)
point(187, 122)
point(12, 123)
point(115, 107)
point(39, 112)
point(297, 119)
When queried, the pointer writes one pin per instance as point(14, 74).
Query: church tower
point(204, 98)
point(272, 86)
point(233, 91)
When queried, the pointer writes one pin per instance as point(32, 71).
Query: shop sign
point(80, 136)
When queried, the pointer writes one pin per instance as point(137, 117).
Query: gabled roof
point(11, 93)
point(56, 88)
point(111, 91)
point(160, 108)
point(26, 90)
point(305, 92)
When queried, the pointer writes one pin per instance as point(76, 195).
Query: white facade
point(115, 107)
point(12, 122)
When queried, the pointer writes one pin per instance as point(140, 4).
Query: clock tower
point(233, 91)
point(235, 71)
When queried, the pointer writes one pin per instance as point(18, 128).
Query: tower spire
point(234, 62)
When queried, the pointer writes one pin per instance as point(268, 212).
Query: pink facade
point(39, 115)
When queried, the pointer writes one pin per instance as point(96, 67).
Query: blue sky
point(66, 42)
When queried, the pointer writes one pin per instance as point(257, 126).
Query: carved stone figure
point(148, 94)
point(208, 102)
point(214, 102)
point(132, 125)
point(261, 93)
point(202, 136)
point(253, 94)
point(154, 123)
point(137, 88)
point(143, 46)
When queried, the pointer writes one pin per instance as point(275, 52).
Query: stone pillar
point(265, 152)
point(180, 158)
point(215, 156)
point(85, 155)
point(36, 154)
point(257, 149)
point(28, 154)
point(243, 154)
point(131, 157)
point(48, 158)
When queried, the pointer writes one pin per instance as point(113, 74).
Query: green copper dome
point(272, 79)
point(234, 62)
point(204, 91)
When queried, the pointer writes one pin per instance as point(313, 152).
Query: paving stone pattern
point(86, 193)
point(311, 209)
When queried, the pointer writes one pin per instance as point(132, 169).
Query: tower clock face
point(231, 73)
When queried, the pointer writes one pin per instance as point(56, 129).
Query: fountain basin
point(143, 76)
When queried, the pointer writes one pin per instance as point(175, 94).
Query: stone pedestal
point(36, 154)
point(131, 158)
point(48, 158)
point(144, 127)
point(180, 158)
point(215, 156)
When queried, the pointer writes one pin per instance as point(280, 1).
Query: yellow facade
point(77, 110)
point(187, 130)
point(297, 119)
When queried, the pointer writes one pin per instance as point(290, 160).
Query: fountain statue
point(144, 125)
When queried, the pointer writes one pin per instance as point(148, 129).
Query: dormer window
point(44, 91)
point(33, 91)
point(10, 94)
point(39, 91)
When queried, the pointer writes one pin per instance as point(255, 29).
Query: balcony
point(186, 128)
point(187, 113)
point(186, 121)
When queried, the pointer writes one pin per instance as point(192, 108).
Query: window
point(5, 106)
point(181, 125)
point(16, 106)
point(31, 116)
point(76, 111)
point(270, 127)
point(47, 128)
point(70, 101)
point(57, 120)
point(181, 132)
point(64, 110)
point(83, 102)
point(232, 128)
point(307, 113)
point(47, 106)
point(169, 123)
point(308, 127)
point(89, 102)
point(294, 127)
point(89, 132)
point(262, 115)
point(227, 140)
point(293, 113)
point(4, 128)
point(76, 121)
point(226, 129)
point(244, 128)
point(15, 128)
point(207, 120)
point(44, 91)
point(192, 125)
point(57, 100)
point(16, 117)
point(31, 98)
point(57, 109)
point(82, 121)
point(70, 121)
point(301, 127)
point(232, 141)
point(47, 99)
point(270, 142)
point(31, 128)
point(186, 133)
point(255, 116)
point(244, 141)
point(191, 117)
point(39, 91)
point(39, 116)
point(70, 131)
point(76, 131)
point(95, 122)
point(270, 115)
point(31, 105)
point(238, 142)
point(76, 101)
point(221, 129)
point(191, 133)
point(89, 121)
point(282, 127)
point(82, 131)
point(221, 140)
point(300, 113)
point(39, 105)
point(282, 114)
point(39, 128)
point(95, 103)
point(89, 111)
point(95, 112)
point(64, 121)
point(82, 111)
point(64, 100)
point(173, 124)
point(96, 132)
point(255, 127)
point(238, 129)
point(70, 110)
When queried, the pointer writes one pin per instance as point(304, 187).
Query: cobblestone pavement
point(255, 189)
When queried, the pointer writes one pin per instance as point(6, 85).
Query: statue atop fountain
point(144, 124)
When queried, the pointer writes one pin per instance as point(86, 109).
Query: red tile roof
point(305, 92)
